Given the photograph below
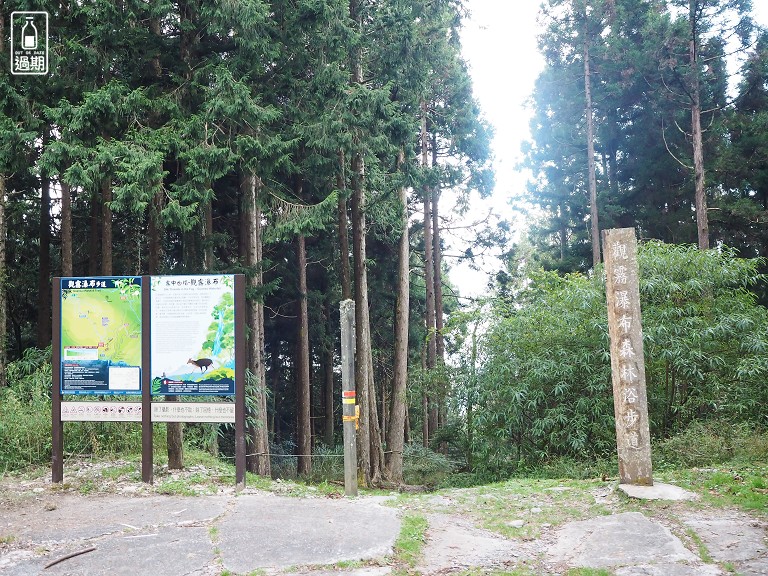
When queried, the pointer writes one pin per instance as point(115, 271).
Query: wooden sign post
point(630, 402)
point(146, 336)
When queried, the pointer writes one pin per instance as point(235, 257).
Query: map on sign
point(101, 335)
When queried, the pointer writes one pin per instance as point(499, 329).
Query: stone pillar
point(630, 402)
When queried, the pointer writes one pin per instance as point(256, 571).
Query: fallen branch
point(68, 556)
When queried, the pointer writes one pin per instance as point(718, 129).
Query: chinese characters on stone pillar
point(627, 363)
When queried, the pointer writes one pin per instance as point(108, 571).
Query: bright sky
point(499, 44)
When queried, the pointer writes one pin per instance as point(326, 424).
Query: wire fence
point(420, 465)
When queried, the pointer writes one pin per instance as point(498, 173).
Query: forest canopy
point(311, 145)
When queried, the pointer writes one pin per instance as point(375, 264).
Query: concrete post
point(348, 406)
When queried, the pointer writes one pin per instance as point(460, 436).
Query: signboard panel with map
point(101, 335)
point(192, 323)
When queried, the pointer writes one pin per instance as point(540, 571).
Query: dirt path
point(130, 529)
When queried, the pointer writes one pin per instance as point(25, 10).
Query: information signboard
point(145, 336)
point(192, 326)
point(100, 335)
point(221, 412)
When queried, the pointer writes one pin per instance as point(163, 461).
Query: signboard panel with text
point(192, 323)
point(101, 335)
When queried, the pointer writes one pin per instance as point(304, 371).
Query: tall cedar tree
point(741, 216)
point(175, 133)
point(642, 63)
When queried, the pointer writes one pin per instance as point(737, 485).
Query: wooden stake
point(57, 448)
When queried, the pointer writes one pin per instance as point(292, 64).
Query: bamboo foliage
point(546, 393)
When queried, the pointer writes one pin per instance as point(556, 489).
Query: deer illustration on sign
point(201, 363)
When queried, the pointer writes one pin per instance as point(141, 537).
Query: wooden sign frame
point(57, 452)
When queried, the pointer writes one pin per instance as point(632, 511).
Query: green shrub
point(25, 430)
point(580, 469)
point(25, 420)
point(25, 412)
point(102, 438)
point(712, 443)
point(422, 466)
point(283, 460)
point(465, 480)
point(327, 464)
point(544, 386)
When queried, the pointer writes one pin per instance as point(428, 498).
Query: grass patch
point(189, 486)
point(410, 543)
point(739, 488)
point(519, 508)
point(539, 503)
point(349, 564)
point(7, 539)
point(700, 546)
point(117, 472)
point(732, 485)
point(258, 482)
point(86, 487)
